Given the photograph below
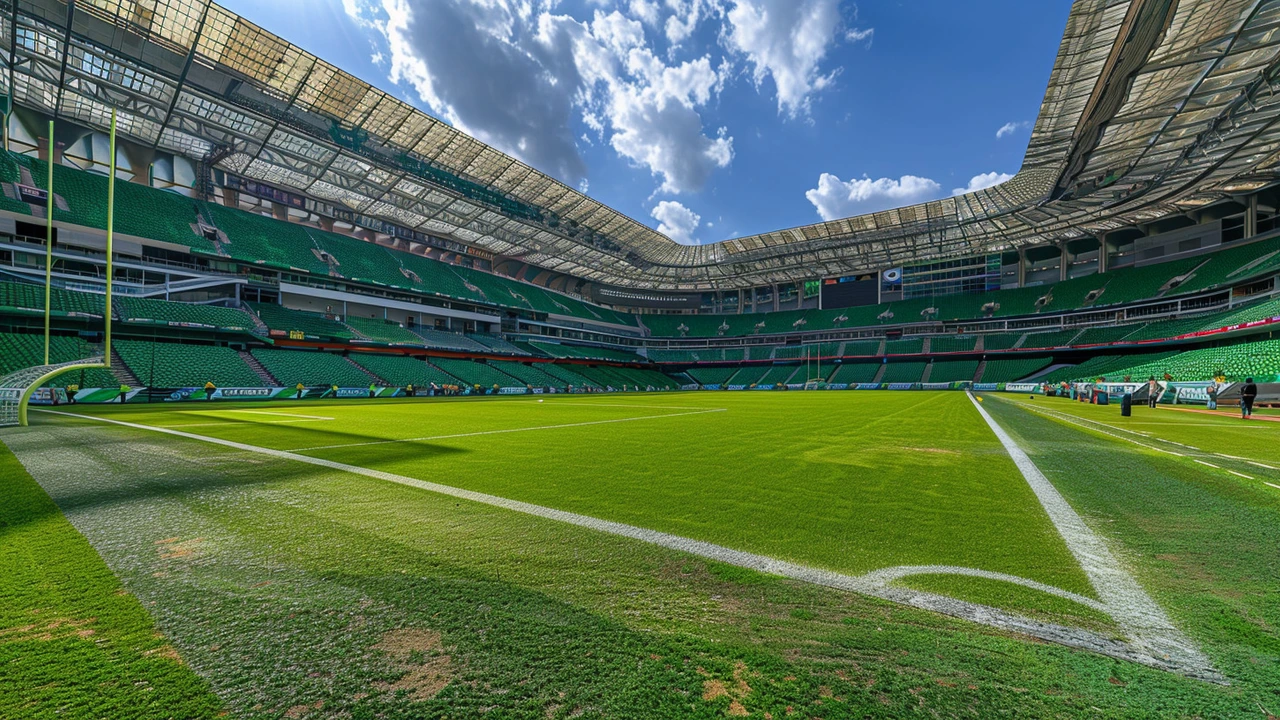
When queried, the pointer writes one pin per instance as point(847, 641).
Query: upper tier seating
point(913, 346)
point(445, 340)
point(142, 310)
point(382, 331)
point(308, 367)
point(1054, 339)
point(1234, 263)
point(180, 365)
point(312, 324)
point(560, 350)
point(497, 344)
point(28, 298)
point(952, 344)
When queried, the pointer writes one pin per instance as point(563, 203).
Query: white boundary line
point(1141, 618)
point(875, 584)
point(281, 414)
point(506, 431)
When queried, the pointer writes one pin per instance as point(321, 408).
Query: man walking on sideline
point(1248, 394)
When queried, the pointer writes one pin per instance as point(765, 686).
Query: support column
point(280, 212)
point(1022, 267)
point(1104, 252)
point(775, 297)
point(1251, 217)
point(1064, 261)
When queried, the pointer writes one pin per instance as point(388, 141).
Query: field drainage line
point(873, 584)
point(506, 431)
point(1127, 603)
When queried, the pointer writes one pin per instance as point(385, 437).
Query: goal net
point(17, 388)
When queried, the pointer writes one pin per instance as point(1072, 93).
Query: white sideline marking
point(1264, 482)
point(1238, 474)
point(509, 430)
point(873, 584)
point(1128, 604)
point(1209, 464)
point(282, 414)
point(1258, 464)
point(229, 421)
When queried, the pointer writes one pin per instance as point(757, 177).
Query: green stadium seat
point(181, 365)
point(309, 367)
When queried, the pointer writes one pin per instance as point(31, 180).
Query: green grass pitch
point(304, 591)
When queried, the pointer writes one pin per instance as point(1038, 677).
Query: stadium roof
point(1154, 107)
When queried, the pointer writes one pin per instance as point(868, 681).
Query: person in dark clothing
point(1248, 394)
point(1153, 392)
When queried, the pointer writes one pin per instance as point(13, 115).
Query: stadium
point(313, 405)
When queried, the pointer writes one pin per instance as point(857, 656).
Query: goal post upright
point(110, 233)
point(48, 247)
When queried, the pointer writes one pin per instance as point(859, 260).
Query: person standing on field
point(1153, 392)
point(1248, 394)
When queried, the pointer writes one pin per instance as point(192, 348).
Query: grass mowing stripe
point(508, 430)
point(982, 614)
point(1126, 600)
point(282, 414)
point(73, 643)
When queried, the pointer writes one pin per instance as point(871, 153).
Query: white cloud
point(677, 221)
point(1010, 128)
point(835, 198)
point(378, 58)
point(646, 11)
point(856, 35)
point(982, 182)
point(685, 16)
point(786, 40)
point(516, 75)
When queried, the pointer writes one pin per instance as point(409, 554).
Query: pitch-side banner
point(986, 387)
point(1021, 387)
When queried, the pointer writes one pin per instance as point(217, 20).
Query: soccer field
point(756, 521)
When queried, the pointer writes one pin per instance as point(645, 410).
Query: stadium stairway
point(367, 371)
point(122, 371)
point(267, 378)
point(928, 369)
point(883, 367)
point(982, 365)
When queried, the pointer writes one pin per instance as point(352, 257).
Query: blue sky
point(711, 119)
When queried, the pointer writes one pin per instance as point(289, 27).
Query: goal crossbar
point(17, 388)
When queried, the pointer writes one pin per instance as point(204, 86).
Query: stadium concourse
point(339, 412)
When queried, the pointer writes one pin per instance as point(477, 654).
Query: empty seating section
point(471, 372)
point(760, 352)
point(1000, 341)
point(1057, 338)
point(1169, 328)
point(862, 348)
point(998, 371)
point(781, 374)
point(953, 371)
point(266, 241)
point(531, 374)
point(1234, 264)
point(914, 346)
point(568, 375)
point(22, 350)
point(1106, 334)
point(1104, 366)
point(310, 324)
point(1256, 311)
point(144, 310)
point(308, 367)
point(361, 261)
point(560, 350)
point(1259, 360)
point(382, 331)
point(181, 365)
point(402, 371)
point(750, 376)
point(712, 376)
point(854, 373)
point(497, 344)
point(800, 352)
point(903, 372)
point(445, 340)
point(1142, 283)
point(28, 298)
point(952, 344)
